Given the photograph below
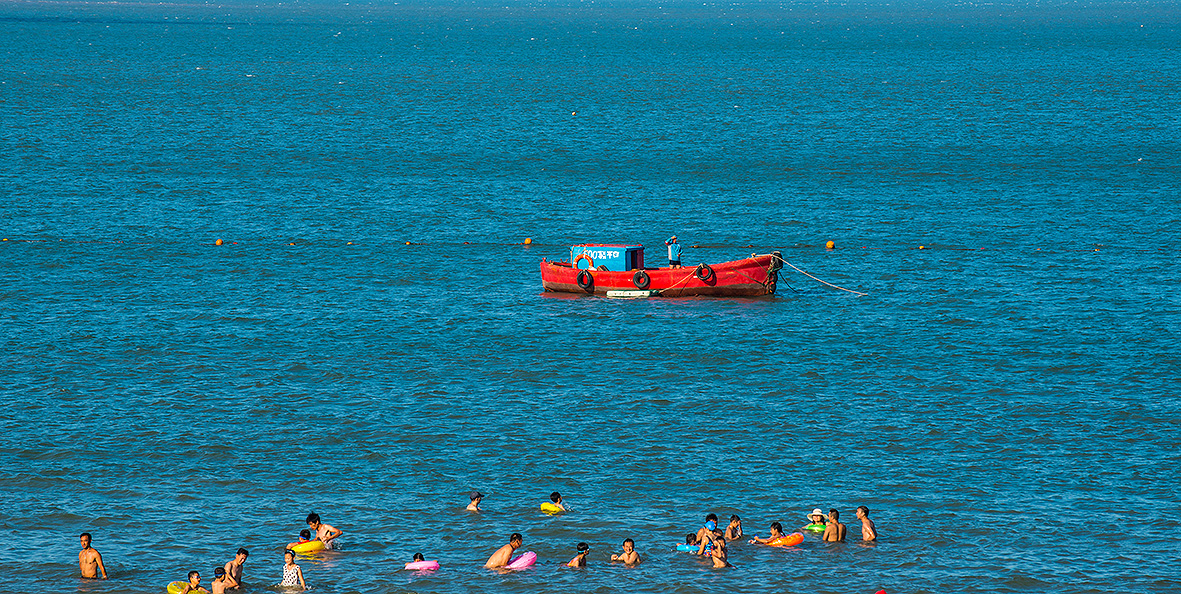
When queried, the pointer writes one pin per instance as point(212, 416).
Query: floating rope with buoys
point(776, 256)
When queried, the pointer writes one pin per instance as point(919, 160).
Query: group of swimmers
point(709, 541)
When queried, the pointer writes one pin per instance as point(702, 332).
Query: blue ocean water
point(371, 341)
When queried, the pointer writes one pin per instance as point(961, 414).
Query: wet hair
point(242, 551)
point(305, 533)
point(718, 534)
point(555, 497)
point(836, 515)
point(713, 517)
point(691, 538)
point(219, 571)
point(313, 517)
point(419, 557)
point(863, 509)
point(289, 552)
point(193, 573)
point(777, 526)
point(734, 518)
point(517, 537)
point(629, 541)
point(87, 535)
point(583, 547)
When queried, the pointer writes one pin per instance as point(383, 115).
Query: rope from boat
point(820, 281)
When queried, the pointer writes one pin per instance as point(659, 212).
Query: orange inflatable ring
point(792, 539)
point(590, 262)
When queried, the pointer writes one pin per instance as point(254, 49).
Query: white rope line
point(820, 281)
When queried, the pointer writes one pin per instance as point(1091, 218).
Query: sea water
point(370, 341)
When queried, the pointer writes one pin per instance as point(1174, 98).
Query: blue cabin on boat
point(601, 256)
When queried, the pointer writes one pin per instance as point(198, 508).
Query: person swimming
point(776, 532)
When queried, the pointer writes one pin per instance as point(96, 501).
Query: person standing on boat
point(674, 252)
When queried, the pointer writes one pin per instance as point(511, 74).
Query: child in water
point(579, 560)
point(629, 555)
point(194, 584)
point(556, 498)
point(292, 574)
point(719, 553)
point(305, 535)
point(219, 581)
point(734, 530)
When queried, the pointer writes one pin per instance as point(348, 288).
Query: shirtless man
point(90, 562)
point(629, 555)
point(504, 554)
point(835, 530)
point(234, 570)
point(579, 560)
point(476, 498)
point(869, 532)
point(324, 533)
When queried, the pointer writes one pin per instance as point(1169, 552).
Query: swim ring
point(688, 548)
point(423, 565)
point(309, 546)
point(815, 527)
point(522, 561)
point(174, 587)
point(550, 508)
point(792, 539)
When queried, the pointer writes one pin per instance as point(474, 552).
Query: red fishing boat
point(618, 270)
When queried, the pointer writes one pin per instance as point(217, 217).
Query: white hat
point(816, 512)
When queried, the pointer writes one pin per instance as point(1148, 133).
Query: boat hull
point(749, 277)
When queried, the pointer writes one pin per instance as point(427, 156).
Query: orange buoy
point(830, 245)
point(528, 240)
point(218, 242)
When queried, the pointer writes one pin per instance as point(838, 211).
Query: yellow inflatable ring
point(550, 508)
point(309, 546)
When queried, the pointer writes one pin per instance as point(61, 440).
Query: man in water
point(674, 252)
point(502, 555)
point(234, 569)
point(869, 532)
point(90, 562)
point(476, 498)
point(324, 533)
point(835, 530)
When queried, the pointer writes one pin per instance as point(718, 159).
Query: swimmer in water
point(476, 498)
point(776, 532)
point(579, 560)
point(835, 530)
point(690, 541)
point(556, 499)
point(629, 556)
point(734, 530)
point(234, 569)
point(292, 574)
point(711, 524)
point(90, 562)
point(305, 535)
point(504, 554)
point(869, 532)
point(814, 518)
point(194, 584)
point(218, 585)
point(718, 555)
point(324, 533)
